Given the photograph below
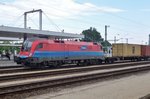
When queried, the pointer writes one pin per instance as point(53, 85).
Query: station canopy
point(10, 39)
point(15, 32)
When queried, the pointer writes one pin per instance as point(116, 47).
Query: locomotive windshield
point(27, 45)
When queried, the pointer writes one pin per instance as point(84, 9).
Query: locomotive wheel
point(18, 62)
point(45, 63)
point(100, 61)
point(56, 64)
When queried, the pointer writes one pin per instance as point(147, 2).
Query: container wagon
point(133, 52)
point(145, 52)
point(124, 51)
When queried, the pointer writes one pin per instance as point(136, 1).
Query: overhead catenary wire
point(14, 22)
point(80, 20)
point(116, 28)
point(94, 23)
point(124, 18)
point(102, 11)
point(52, 22)
point(29, 18)
point(33, 22)
point(84, 21)
point(98, 24)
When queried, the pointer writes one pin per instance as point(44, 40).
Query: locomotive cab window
point(40, 46)
point(26, 45)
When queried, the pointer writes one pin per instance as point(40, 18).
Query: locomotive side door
point(66, 49)
point(63, 47)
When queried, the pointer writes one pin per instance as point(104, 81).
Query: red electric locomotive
point(44, 52)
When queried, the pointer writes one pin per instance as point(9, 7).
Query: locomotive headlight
point(30, 54)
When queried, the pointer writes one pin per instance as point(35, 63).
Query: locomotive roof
point(61, 41)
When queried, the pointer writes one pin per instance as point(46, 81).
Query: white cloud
point(103, 8)
point(54, 8)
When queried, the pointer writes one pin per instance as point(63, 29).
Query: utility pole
point(115, 39)
point(106, 26)
point(127, 40)
point(40, 18)
point(25, 20)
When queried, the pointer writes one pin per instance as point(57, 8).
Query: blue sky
point(126, 18)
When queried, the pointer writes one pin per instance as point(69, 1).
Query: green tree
point(105, 43)
point(92, 35)
point(8, 48)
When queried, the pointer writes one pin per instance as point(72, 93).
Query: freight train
point(44, 52)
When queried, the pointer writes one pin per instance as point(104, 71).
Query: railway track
point(17, 69)
point(12, 70)
point(43, 73)
point(67, 76)
point(7, 67)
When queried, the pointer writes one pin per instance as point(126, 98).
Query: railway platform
point(6, 62)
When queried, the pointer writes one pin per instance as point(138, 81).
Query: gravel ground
point(132, 87)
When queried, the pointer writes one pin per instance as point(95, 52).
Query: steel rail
point(6, 67)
